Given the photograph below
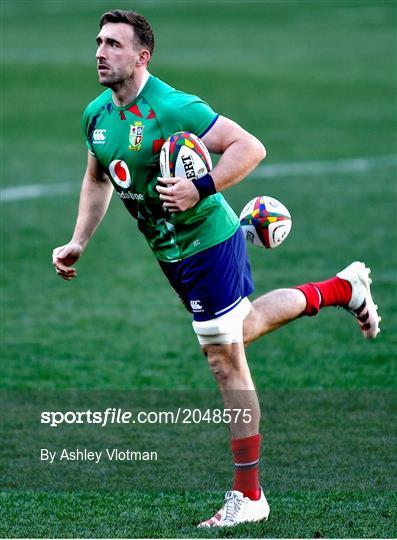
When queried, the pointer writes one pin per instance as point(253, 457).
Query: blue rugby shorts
point(214, 281)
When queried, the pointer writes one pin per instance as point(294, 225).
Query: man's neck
point(126, 93)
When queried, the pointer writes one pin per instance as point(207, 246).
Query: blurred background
point(316, 83)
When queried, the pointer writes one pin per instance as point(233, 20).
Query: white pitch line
point(298, 168)
point(36, 191)
point(305, 168)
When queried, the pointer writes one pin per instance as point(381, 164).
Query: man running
point(193, 232)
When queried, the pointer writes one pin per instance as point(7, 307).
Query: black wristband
point(205, 186)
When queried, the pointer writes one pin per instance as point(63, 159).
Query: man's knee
point(220, 360)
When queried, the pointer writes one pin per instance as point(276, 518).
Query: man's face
point(116, 54)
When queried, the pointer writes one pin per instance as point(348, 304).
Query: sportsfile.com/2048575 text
point(180, 415)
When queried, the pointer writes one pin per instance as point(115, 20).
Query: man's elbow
point(258, 150)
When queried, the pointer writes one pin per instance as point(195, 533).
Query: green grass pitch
point(315, 81)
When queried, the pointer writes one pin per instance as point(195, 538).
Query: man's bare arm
point(95, 195)
point(241, 153)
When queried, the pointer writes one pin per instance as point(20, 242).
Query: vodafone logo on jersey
point(119, 172)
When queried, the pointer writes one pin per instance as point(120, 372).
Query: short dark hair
point(143, 30)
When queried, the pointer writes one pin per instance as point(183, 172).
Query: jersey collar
point(145, 79)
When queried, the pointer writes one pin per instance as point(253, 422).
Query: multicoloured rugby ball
point(266, 222)
point(184, 154)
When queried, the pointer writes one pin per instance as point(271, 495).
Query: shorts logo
point(136, 136)
point(196, 306)
point(120, 174)
point(99, 136)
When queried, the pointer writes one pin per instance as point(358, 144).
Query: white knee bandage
point(227, 328)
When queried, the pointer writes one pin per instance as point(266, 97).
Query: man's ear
point(143, 58)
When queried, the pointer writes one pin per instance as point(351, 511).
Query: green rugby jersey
point(127, 142)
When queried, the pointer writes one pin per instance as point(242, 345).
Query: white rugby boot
point(238, 509)
point(361, 304)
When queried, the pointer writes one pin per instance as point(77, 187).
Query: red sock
point(332, 292)
point(246, 462)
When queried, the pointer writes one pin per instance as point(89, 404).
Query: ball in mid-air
point(266, 222)
point(184, 154)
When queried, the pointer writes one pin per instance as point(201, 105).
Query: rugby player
point(193, 232)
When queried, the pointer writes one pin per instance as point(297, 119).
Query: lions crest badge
point(136, 136)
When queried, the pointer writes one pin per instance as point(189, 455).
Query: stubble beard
point(115, 81)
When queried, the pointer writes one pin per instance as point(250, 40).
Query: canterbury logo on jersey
point(99, 136)
point(196, 305)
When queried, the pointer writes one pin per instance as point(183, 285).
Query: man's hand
point(63, 257)
point(178, 195)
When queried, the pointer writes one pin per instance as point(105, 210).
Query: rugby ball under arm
point(184, 154)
